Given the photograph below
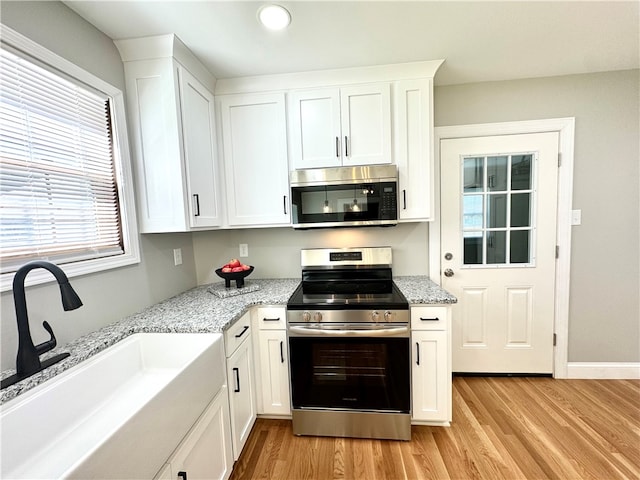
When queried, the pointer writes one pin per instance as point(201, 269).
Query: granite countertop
point(422, 290)
point(200, 310)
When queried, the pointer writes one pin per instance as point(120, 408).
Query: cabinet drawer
point(236, 334)
point(429, 318)
point(271, 318)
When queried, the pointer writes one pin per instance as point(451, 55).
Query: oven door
point(350, 371)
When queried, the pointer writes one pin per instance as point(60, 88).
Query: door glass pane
point(472, 248)
point(521, 172)
point(473, 174)
point(496, 247)
point(497, 211)
point(520, 210)
point(519, 246)
point(472, 212)
point(497, 173)
point(497, 197)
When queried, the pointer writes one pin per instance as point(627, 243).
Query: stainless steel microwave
point(344, 196)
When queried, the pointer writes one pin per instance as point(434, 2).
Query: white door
point(498, 214)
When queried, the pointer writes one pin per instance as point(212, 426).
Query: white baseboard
point(604, 370)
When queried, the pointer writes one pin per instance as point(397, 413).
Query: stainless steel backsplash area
point(275, 252)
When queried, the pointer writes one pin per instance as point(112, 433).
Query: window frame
point(122, 165)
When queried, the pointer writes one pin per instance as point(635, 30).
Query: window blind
point(58, 184)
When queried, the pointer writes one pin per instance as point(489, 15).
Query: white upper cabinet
point(413, 147)
point(198, 129)
point(345, 126)
point(254, 133)
point(172, 117)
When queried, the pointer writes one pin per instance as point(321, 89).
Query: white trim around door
point(565, 127)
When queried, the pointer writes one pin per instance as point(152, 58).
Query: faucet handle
point(49, 344)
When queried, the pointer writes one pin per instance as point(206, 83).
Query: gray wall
point(116, 293)
point(604, 317)
point(276, 251)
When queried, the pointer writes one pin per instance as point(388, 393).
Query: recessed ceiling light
point(274, 17)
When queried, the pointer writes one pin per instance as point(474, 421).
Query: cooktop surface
point(392, 299)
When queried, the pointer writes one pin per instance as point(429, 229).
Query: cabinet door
point(152, 99)
point(242, 401)
point(431, 379)
point(274, 372)
point(198, 133)
point(366, 124)
point(206, 451)
point(314, 122)
point(413, 147)
point(255, 158)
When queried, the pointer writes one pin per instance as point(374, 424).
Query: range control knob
point(306, 316)
point(375, 316)
point(317, 317)
point(388, 316)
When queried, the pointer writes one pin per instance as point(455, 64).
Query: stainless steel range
point(348, 333)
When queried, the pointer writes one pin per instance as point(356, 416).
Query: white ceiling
point(479, 40)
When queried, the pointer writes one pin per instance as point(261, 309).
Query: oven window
point(353, 373)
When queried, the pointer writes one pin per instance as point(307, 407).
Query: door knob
point(448, 272)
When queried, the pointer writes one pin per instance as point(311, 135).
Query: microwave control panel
point(388, 201)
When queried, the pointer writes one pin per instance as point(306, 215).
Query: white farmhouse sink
point(119, 414)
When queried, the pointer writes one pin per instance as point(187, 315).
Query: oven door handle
point(378, 332)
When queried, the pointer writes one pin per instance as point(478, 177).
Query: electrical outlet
point(244, 250)
point(177, 256)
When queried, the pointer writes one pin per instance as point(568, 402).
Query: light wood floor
point(513, 428)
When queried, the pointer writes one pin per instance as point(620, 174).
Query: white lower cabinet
point(240, 380)
point(206, 452)
point(272, 362)
point(430, 365)
point(274, 372)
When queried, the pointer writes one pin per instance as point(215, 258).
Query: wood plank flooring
point(511, 428)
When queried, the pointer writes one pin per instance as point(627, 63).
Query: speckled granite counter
point(421, 289)
point(199, 311)
point(194, 311)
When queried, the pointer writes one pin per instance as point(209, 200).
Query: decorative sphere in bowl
point(237, 276)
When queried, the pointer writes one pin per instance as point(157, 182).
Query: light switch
point(177, 256)
point(244, 250)
point(576, 217)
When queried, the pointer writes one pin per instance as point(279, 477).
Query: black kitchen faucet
point(28, 358)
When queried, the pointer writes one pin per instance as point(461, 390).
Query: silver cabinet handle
point(346, 146)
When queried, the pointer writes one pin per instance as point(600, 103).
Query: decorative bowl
point(237, 276)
